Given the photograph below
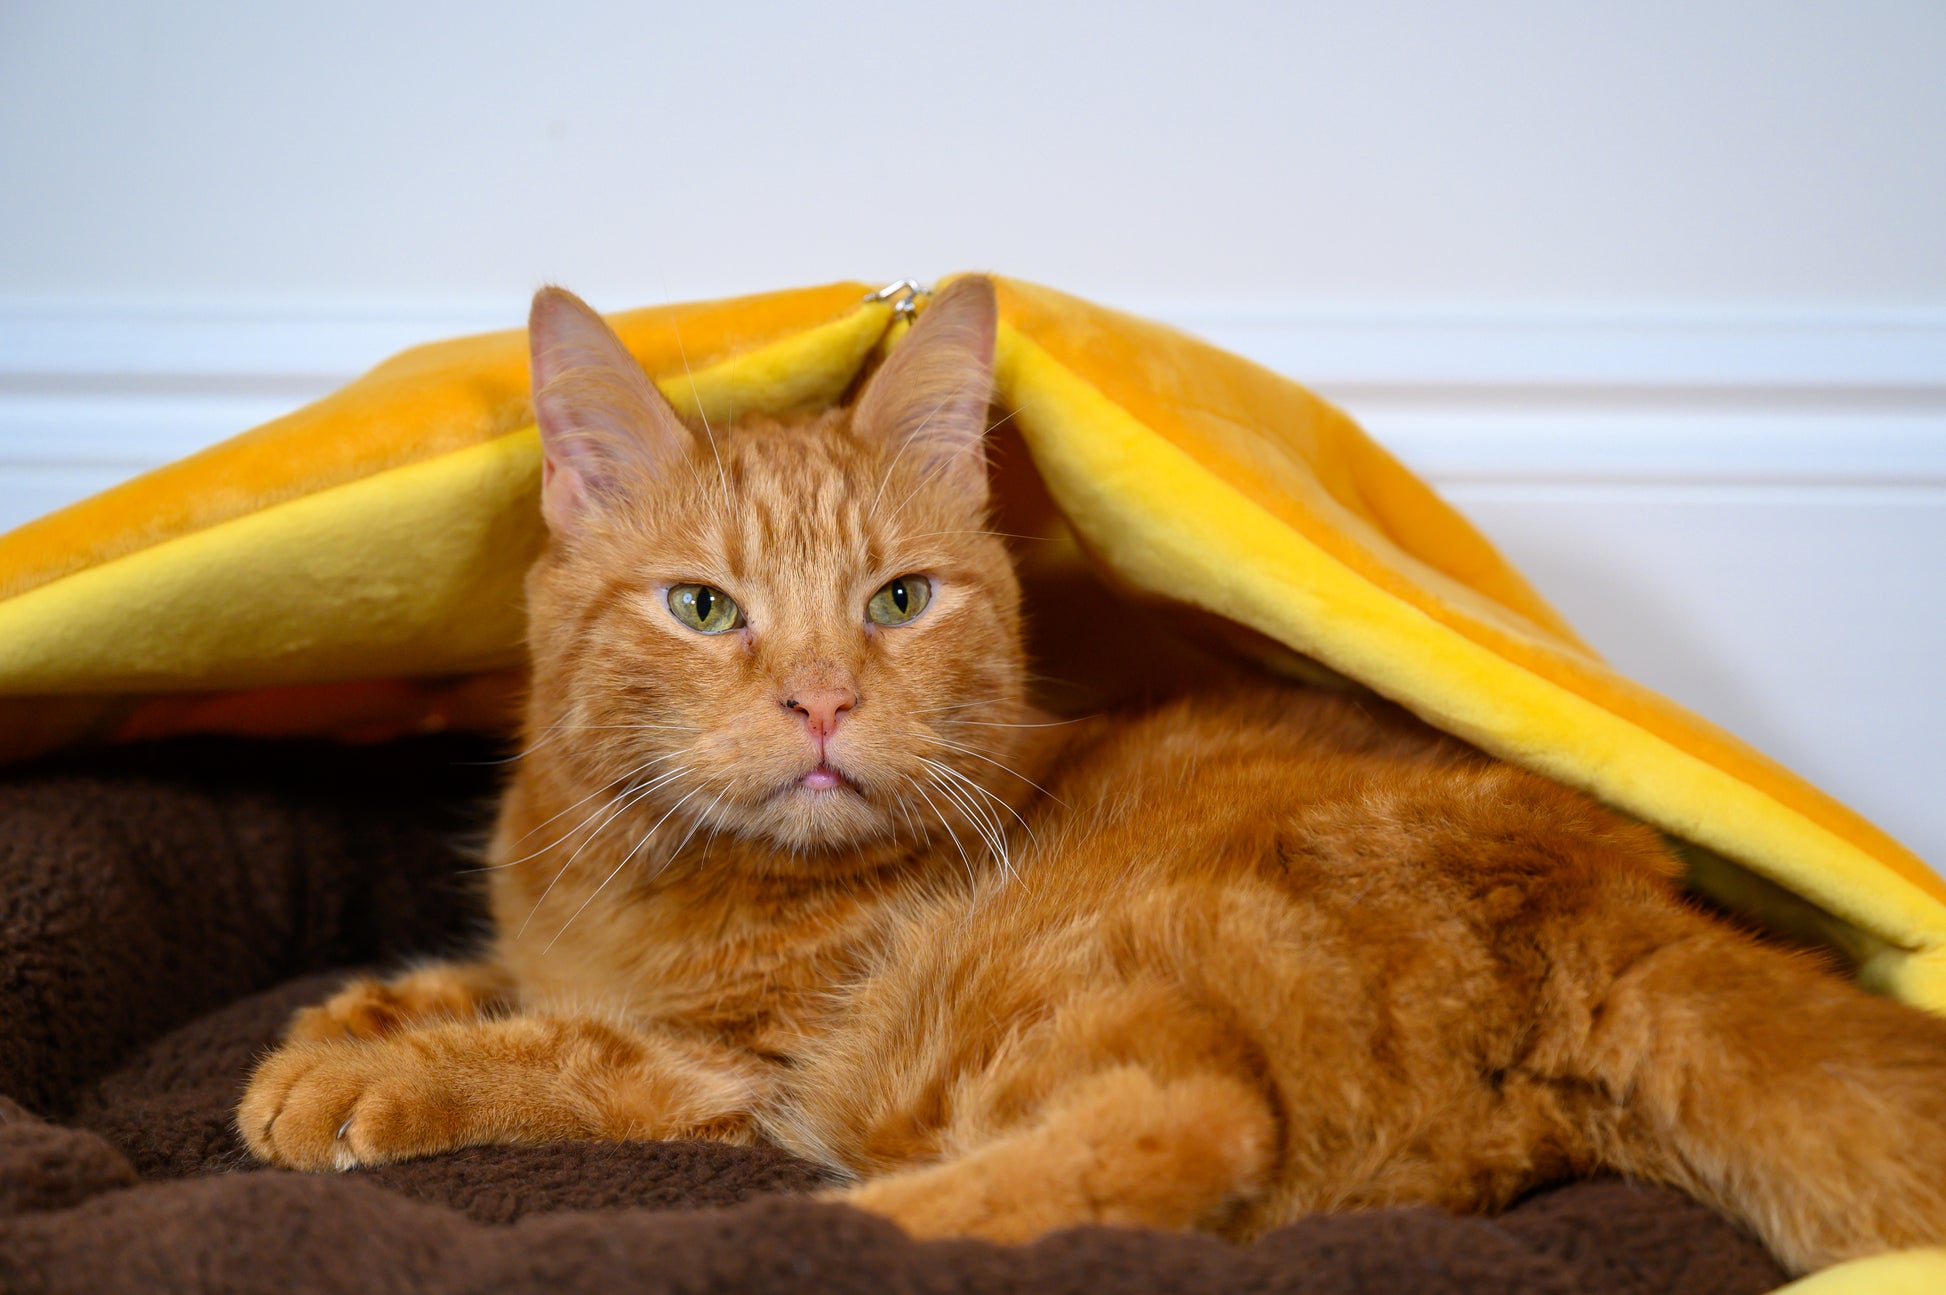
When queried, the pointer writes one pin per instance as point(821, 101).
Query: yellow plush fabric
point(1903, 1272)
point(354, 568)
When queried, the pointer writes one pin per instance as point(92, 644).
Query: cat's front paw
point(363, 1009)
point(370, 1009)
point(341, 1105)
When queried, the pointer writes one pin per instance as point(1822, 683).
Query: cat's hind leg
point(1118, 1146)
point(1811, 1110)
point(513, 1079)
point(367, 1007)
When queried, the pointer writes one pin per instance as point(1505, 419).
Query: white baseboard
point(1848, 397)
point(1464, 395)
point(1747, 511)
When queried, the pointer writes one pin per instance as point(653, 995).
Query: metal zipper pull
point(904, 296)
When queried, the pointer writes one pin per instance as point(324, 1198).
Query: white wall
point(1685, 152)
point(1657, 291)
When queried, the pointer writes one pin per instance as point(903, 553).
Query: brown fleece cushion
point(163, 910)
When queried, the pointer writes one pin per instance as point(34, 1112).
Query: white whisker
point(701, 817)
point(988, 723)
point(631, 799)
point(640, 768)
point(959, 705)
point(617, 868)
point(669, 728)
point(990, 795)
point(977, 815)
point(975, 753)
point(964, 859)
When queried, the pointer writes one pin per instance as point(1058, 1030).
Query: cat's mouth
point(825, 777)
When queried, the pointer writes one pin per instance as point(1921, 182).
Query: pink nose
point(821, 708)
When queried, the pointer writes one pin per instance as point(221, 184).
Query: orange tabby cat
point(790, 857)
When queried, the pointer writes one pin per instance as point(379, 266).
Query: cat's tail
point(1807, 1108)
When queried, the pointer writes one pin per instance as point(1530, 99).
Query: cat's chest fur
point(753, 962)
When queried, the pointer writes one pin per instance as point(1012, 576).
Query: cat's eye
point(900, 600)
point(704, 609)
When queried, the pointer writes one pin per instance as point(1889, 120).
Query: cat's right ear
point(604, 426)
point(929, 399)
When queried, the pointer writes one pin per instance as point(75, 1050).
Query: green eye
point(900, 600)
point(710, 611)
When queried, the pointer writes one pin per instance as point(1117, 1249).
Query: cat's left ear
point(930, 398)
point(604, 426)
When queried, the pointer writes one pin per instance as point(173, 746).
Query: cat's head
point(795, 632)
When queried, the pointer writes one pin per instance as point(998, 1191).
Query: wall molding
point(1850, 397)
point(98, 389)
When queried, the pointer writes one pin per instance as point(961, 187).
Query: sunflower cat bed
point(353, 569)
